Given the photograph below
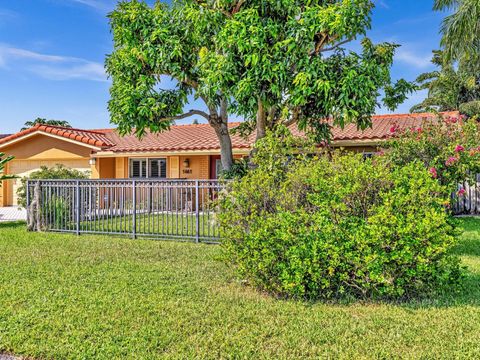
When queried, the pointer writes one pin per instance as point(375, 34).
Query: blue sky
point(52, 54)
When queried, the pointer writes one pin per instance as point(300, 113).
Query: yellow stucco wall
point(119, 168)
point(198, 167)
point(40, 150)
point(42, 147)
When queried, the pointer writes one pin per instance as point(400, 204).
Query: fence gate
point(469, 203)
point(169, 209)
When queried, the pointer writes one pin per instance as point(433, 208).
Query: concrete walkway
point(12, 213)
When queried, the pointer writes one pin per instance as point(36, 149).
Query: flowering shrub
point(334, 226)
point(449, 148)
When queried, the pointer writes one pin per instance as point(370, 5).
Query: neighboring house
point(4, 135)
point(185, 151)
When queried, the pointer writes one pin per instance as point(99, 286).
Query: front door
point(215, 166)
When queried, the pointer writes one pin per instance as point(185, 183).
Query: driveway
point(12, 213)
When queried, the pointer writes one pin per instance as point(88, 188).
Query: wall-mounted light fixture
point(92, 161)
point(186, 163)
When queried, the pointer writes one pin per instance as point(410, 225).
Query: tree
point(461, 29)
point(450, 88)
point(3, 161)
point(271, 62)
point(151, 43)
point(284, 63)
point(44, 121)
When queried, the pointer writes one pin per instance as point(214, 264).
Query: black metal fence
point(169, 209)
point(469, 202)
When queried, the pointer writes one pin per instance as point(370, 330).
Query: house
point(185, 151)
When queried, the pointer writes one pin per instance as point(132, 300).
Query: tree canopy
point(44, 121)
point(450, 87)
point(461, 29)
point(270, 62)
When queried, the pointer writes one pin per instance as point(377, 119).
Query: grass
point(63, 296)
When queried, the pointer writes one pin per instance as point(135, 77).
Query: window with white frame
point(148, 168)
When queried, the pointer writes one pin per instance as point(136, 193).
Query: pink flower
point(459, 148)
point(393, 129)
point(461, 192)
point(433, 171)
point(451, 160)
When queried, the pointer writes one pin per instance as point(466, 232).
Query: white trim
point(39, 132)
point(107, 154)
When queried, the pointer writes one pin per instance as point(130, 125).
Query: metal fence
point(469, 203)
point(168, 209)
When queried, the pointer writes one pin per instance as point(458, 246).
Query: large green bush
point(334, 226)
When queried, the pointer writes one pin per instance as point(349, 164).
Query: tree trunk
point(261, 121)
point(226, 152)
point(221, 130)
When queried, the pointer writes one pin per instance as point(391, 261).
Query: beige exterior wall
point(40, 150)
point(198, 168)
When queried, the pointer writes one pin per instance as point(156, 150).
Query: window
point(157, 168)
point(148, 168)
point(368, 155)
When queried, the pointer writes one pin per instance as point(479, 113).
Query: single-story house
point(185, 151)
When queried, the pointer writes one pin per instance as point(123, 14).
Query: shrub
point(335, 226)
point(449, 149)
point(57, 172)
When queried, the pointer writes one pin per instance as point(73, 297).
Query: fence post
point(134, 216)
point(197, 213)
point(27, 205)
point(77, 201)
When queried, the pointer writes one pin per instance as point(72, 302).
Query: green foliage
point(45, 173)
point(336, 226)
point(3, 161)
point(280, 61)
point(238, 169)
point(451, 87)
point(448, 148)
point(58, 211)
point(43, 121)
point(461, 29)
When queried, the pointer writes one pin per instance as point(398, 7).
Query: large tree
point(452, 86)
point(269, 61)
point(43, 121)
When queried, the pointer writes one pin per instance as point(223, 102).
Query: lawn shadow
point(12, 224)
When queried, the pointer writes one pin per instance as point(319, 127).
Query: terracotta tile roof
point(382, 125)
point(4, 135)
point(94, 138)
point(202, 136)
point(178, 138)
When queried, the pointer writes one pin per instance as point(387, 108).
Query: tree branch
point(238, 6)
point(186, 115)
point(336, 46)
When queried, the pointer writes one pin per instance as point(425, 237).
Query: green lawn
point(63, 296)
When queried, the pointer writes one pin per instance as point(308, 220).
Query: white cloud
point(383, 4)
point(53, 67)
point(412, 58)
point(87, 71)
point(99, 5)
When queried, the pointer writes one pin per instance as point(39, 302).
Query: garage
point(45, 146)
point(22, 168)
